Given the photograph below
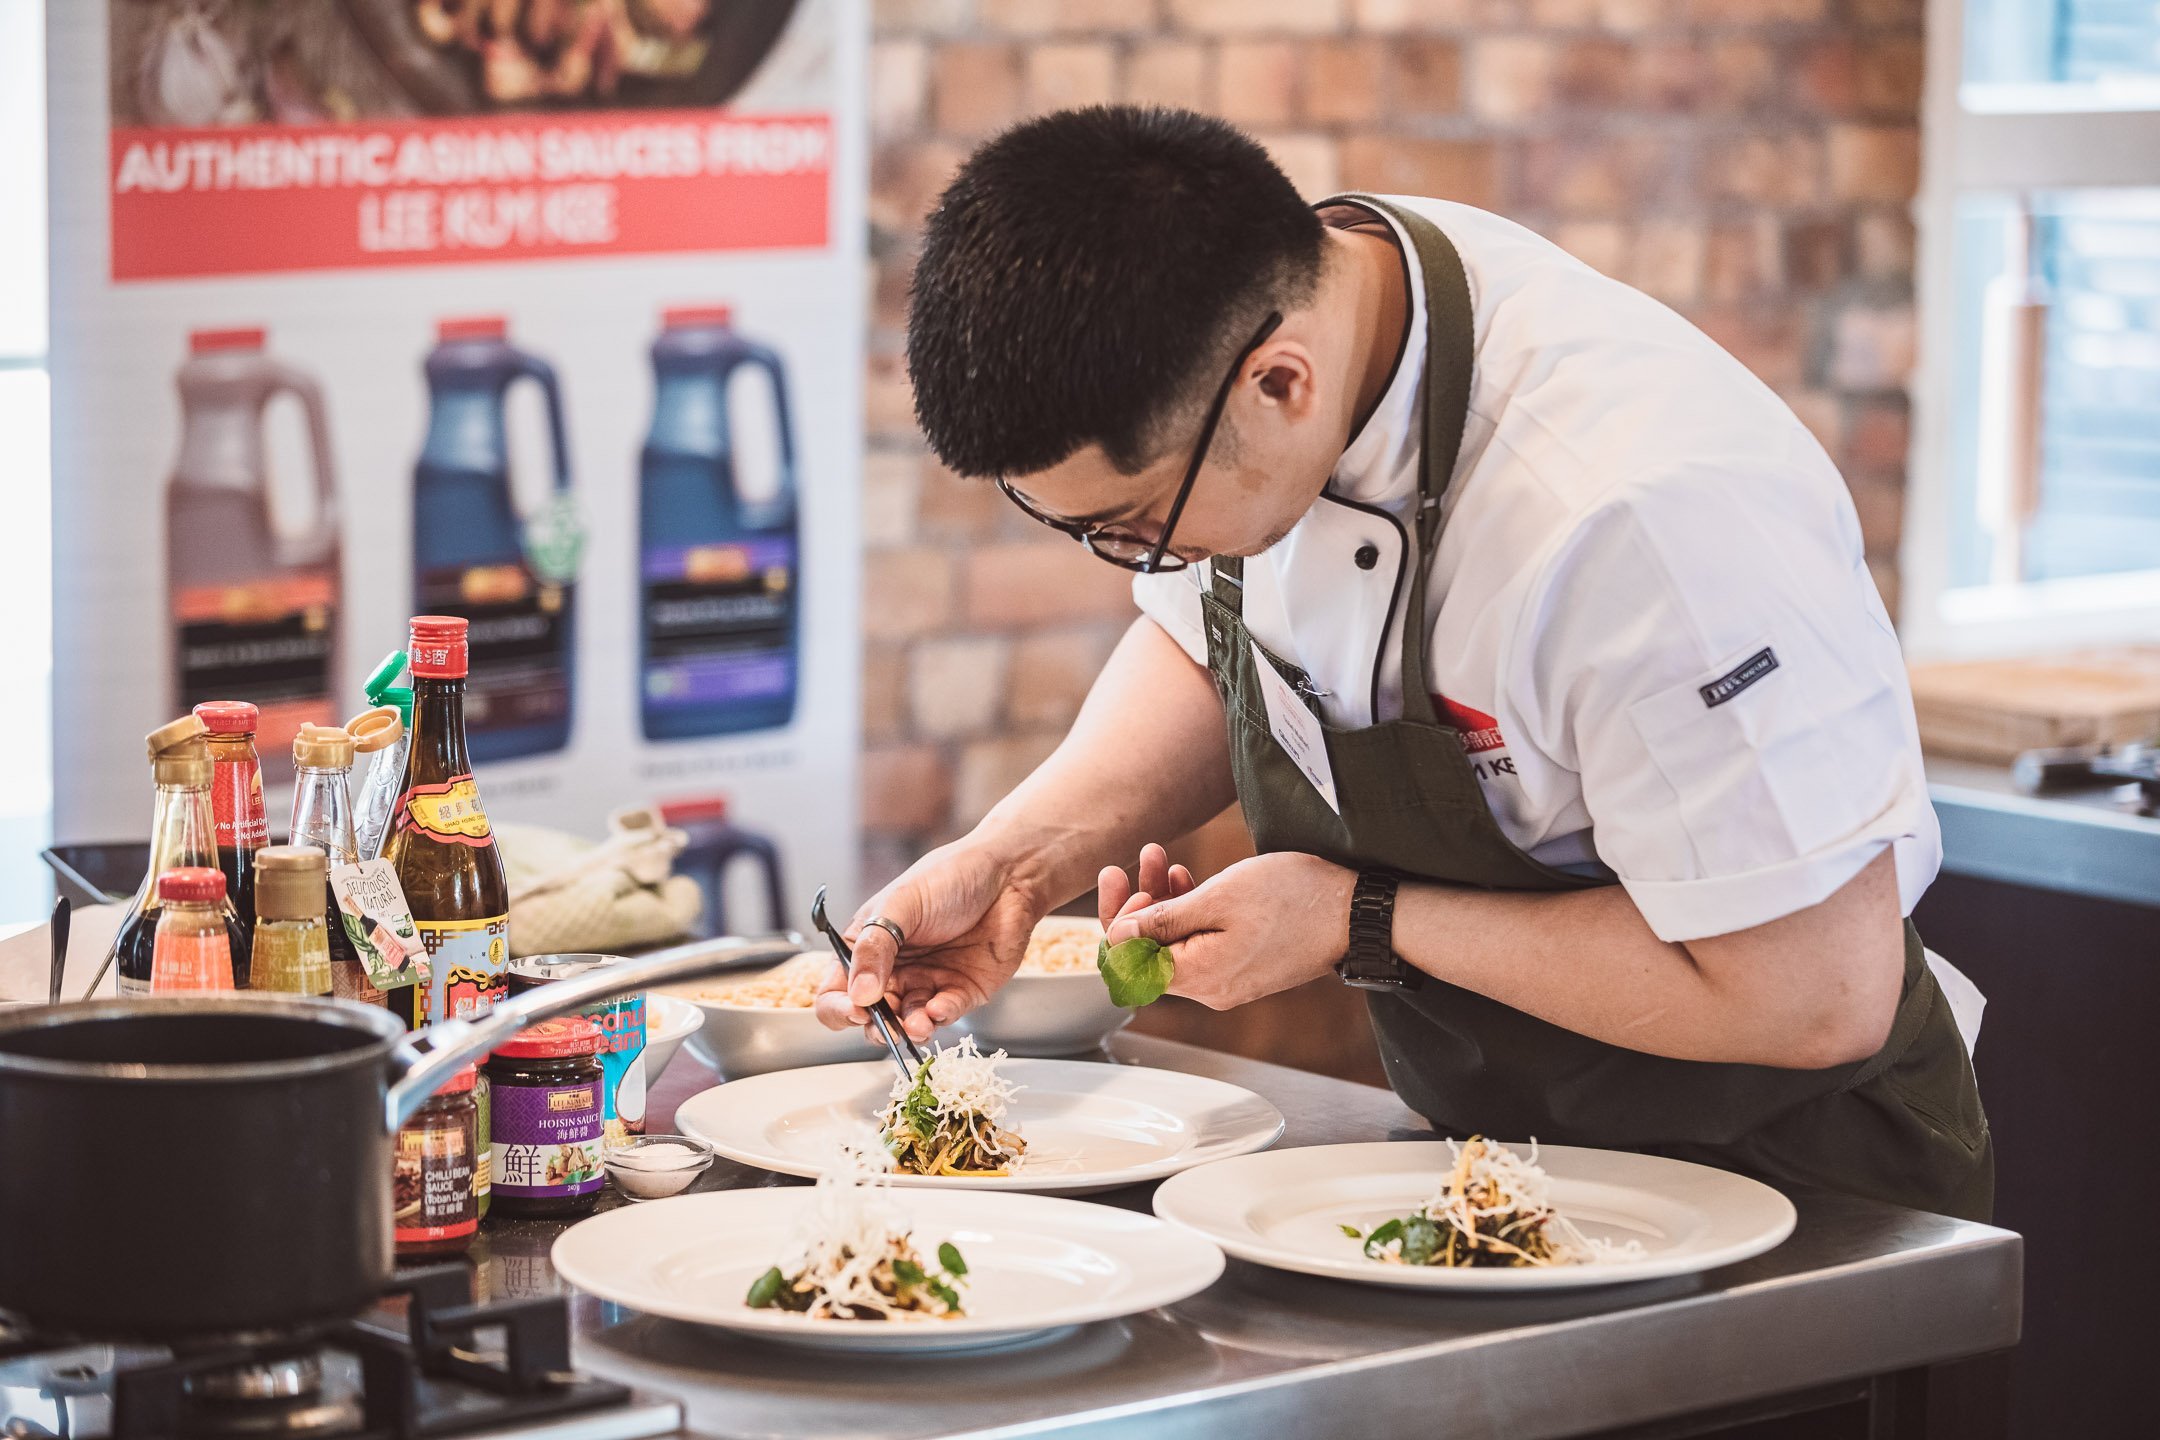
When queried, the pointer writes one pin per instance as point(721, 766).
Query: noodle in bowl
point(1055, 1005)
point(764, 1022)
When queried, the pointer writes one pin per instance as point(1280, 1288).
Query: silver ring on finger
point(899, 936)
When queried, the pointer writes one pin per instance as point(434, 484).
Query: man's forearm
point(1147, 759)
point(1813, 990)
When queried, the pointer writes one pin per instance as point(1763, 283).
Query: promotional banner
point(544, 313)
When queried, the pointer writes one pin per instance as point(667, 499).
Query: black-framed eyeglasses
point(1120, 545)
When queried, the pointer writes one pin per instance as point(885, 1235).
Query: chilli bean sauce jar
point(434, 1204)
point(547, 1120)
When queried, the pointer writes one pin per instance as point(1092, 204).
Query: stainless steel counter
point(2087, 843)
point(1861, 1289)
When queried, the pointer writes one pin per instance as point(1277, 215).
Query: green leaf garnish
point(1137, 971)
point(765, 1290)
point(1352, 1231)
point(907, 1272)
point(1381, 1235)
point(946, 1293)
point(1420, 1240)
point(948, 1255)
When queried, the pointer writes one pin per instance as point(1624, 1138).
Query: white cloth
point(1634, 517)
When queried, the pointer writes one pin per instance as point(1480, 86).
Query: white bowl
point(740, 1040)
point(1035, 1014)
point(669, 1020)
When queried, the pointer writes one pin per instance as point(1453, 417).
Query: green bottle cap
point(382, 687)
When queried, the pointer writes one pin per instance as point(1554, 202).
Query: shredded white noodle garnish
point(950, 1120)
point(1495, 1209)
point(854, 1257)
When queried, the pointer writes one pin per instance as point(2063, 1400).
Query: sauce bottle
point(252, 576)
point(194, 949)
point(292, 938)
point(236, 799)
point(183, 834)
point(441, 843)
point(322, 817)
point(717, 535)
point(478, 552)
point(383, 733)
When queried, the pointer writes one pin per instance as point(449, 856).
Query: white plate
point(1087, 1126)
point(668, 1022)
point(1034, 1265)
point(1286, 1210)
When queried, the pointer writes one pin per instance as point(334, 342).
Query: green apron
point(1904, 1126)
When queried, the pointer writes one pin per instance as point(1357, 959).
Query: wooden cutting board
point(1994, 709)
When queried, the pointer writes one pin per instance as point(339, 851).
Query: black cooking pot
point(191, 1167)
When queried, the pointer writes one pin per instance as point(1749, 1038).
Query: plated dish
point(1315, 1211)
point(1494, 1208)
point(855, 1258)
point(1034, 1265)
point(953, 1121)
point(1087, 1126)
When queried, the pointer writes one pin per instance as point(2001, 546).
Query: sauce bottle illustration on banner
point(718, 558)
point(476, 556)
point(253, 603)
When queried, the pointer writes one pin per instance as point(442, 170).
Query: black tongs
point(881, 1014)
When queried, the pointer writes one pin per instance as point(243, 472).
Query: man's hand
point(967, 917)
point(1265, 924)
point(1159, 880)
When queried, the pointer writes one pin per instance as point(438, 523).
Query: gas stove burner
point(438, 1370)
point(273, 1395)
point(282, 1377)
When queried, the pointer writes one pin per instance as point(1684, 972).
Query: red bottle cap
point(552, 1039)
point(461, 1082)
point(472, 327)
point(198, 883)
point(437, 646)
point(199, 341)
point(679, 317)
point(692, 811)
point(228, 717)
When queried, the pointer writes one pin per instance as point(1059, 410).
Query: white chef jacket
point(1649, 612)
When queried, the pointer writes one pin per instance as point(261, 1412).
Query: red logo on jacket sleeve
point(1480, 732)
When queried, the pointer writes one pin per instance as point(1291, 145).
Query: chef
point(1529, 631)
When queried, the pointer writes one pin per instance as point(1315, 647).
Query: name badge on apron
point(1296, 729)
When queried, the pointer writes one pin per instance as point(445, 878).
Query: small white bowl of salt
point(651, 1167)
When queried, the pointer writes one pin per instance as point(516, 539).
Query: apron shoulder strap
point(1450, 346)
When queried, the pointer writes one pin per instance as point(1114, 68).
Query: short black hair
point(1084, 277)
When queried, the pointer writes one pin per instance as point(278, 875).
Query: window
point(25, 468)
point(2035, 499)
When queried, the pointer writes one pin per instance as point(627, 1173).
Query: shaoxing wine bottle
point(442, 844)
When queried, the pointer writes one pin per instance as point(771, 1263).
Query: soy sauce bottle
point(442, 844)
point(236, 799)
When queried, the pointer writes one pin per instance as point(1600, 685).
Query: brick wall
point(1748, 161)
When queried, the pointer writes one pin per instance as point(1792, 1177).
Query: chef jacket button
point(1367, 556)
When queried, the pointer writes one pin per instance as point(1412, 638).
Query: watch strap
point(1370, 962)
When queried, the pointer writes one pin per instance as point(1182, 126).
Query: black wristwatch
point(1371, 962)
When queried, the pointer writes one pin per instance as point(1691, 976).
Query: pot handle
point(417, 1072)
